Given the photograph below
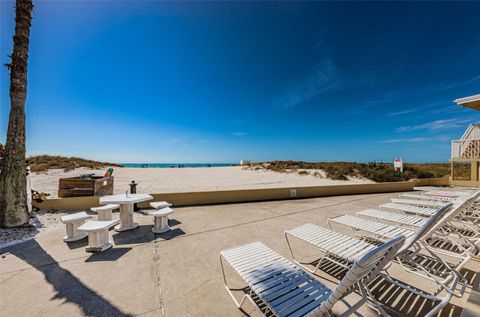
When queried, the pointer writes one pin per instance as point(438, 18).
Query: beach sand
point(163, 180)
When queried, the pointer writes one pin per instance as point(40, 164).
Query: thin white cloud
point(449, 85)
point(448, 109)
point(241, 133)
point(400, 113)
point(407, 140)
point(436, 125)
point(321, 78)
point(364, 106)
point(422, 107)
point(440, 138)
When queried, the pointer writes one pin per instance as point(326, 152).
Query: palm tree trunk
point(13, 193)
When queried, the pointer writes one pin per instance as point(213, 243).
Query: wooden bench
point(98, 234)
point(72, 223)
point(79, 186)
point(105, 212)
point(160, 219)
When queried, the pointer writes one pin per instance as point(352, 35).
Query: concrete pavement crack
point(156, 259)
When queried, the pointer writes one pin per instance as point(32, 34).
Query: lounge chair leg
point(366, 294)
point(298, 262)
point(289, 247)
point(320, 261)
point(245, 296)
point(239, 305)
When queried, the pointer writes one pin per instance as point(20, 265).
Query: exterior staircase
point(468, 147)
point(472, 151)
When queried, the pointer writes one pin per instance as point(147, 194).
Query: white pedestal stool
point(160, 219)
point(72, 223)
point(160, 204)
point(98, 234)
point(157, 205)
point(105, 212)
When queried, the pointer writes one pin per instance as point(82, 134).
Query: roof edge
point(462, 101)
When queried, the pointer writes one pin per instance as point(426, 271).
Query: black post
point(133, 190)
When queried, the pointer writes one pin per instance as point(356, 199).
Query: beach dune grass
point(378, 172)
point(374, 171)
point(43, 163)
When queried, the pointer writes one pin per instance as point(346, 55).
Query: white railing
point(473, 132)
point(460, 147)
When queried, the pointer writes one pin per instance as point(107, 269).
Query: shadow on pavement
point(66, 285)
point(142, 234)
point(78, 244)
point(170, 234)
point(108, 255)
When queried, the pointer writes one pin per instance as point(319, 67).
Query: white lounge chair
point(382, 231)
point(427, 197)
point(418, 202)
point(409, 221)
point(342, 250)
point(462, 224)
point(440, 235)
point(378, 230)
point(447, 193)
point(466, 224)
point(409, 209)
point(347, 248)
point(287, 290)
point(72, 222)
point(105, 212)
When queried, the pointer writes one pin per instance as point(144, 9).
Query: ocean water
point(177, 165)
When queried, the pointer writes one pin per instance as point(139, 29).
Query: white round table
point(126, 208)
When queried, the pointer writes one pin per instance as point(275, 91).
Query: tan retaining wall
point(465, 183)
point(444, 181)
point(232, 196)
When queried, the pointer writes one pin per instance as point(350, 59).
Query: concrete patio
point(178, 273)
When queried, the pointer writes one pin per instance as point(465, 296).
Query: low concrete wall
point(72, 203)
point(443, 181)
point(465, 183)
point(234, 196)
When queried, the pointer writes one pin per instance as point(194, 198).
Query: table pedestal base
point(126, 218)
point(160, 225)
point(105, 215)
point(121, 227)
point(98, 241)
point(72, 233)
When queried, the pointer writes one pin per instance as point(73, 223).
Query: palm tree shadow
point(66, 285)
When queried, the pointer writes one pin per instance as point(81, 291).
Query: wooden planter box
point(76, 187)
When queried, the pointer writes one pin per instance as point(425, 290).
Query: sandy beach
point(162, 180)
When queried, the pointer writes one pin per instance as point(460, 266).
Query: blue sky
point(223, 81)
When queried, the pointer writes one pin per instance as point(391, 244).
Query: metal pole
point(133, 190)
